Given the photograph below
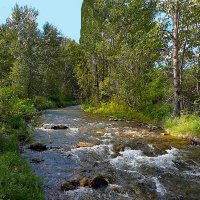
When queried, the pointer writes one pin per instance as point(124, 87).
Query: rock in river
point(38, 147)
point(55, 126)
point(70, 185)
point(99, 182)
point(84, 144)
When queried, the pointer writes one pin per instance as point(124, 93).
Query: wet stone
point(70, 185)
point(38, 147)
point(84, 144)
point(55, 126)
point(99, 182)
point(85, 182)
point(59, 126)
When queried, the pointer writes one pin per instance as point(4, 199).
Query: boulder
point(59, 126)
point(99, 182)
point(55, 126)
point(38, 147)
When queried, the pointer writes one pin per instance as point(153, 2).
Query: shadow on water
point(137, 163)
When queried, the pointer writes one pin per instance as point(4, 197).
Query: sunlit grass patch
point(117, 110)
point(186, 124)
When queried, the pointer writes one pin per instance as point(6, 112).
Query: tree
point(181, 24)
point(24, 44)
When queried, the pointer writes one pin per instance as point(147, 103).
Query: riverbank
point(187, 126)
point(17, 180)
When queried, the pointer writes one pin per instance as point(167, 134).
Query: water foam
point(160, 189)
point(132, 159)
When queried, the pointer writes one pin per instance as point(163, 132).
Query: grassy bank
point(17, 116)
point(115, 110)
point(17, 181)
point(186, 125)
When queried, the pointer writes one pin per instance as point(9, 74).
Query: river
point(138, 163)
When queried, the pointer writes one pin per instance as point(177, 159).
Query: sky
point(64, 14)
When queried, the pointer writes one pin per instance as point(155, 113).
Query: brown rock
point(84, 144)
point(85, 182)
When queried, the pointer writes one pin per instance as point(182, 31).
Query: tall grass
point(116, 110)
point(188, 125)
point(185, 125)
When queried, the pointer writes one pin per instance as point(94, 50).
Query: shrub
point(42, 103)
point(15, 112)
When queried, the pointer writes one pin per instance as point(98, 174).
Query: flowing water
point(138, 163)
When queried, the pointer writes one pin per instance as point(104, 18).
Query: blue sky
point(64, 14)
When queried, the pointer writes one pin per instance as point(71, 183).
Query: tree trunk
point(96, 75)
point(176, 63)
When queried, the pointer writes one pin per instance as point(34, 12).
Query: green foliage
point(17, 181)
point(118, 110)
point(15, 113)
point(42, 103)
point(186, 125)
point(8, 143)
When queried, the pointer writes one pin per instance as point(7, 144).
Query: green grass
point(17, 181)
point(188, 125)
point(116, 110)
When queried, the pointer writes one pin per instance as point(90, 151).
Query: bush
point(17, 181)
point(15, 112)
point(42, 103)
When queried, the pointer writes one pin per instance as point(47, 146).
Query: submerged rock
point(59, 126)
point(55, 126)
point(37, 160)
point(99, 182)
point(84, 144)
point(118, 147)
point(70, 185)
point(38, 147)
